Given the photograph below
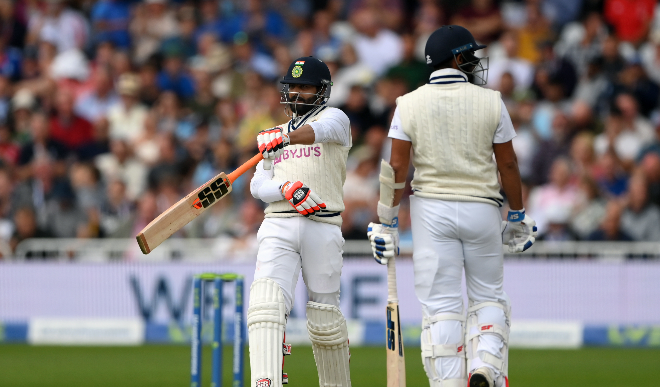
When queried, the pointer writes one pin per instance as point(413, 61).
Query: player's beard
point(308, 103)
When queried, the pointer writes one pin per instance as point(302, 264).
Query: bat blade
point(184, 211)
point(396, 361)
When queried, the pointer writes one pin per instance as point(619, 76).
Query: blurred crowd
point(112, 110)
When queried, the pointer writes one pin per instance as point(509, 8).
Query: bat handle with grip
point(245, 167)
point(391, 281)
point(268, 164)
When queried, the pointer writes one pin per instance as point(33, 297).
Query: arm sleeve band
point(387, 188)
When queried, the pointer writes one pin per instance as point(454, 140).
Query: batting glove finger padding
point(271, 142)
point(302, 198)
point(384, 241)
point(519, 233)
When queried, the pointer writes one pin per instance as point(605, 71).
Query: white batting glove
point(519, 231)
point(384, 240)
point(302, 199)
point(271, 142)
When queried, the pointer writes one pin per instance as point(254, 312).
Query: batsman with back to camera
point(302, 178)
point(454, 127)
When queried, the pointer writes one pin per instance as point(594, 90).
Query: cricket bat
point(190, 207)
point(396, 362)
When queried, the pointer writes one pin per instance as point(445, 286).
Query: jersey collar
point(447, 76)
point(297, 122)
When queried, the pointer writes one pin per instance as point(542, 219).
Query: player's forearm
point(511, 184)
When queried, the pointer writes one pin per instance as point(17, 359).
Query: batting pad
point(266, 320)
point(329, 335)
point(487, 339)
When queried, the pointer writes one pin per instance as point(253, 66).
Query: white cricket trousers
point(288, 244)
point(449, 237)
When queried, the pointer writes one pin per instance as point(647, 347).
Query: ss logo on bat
point(390, 331)
point(214, 191)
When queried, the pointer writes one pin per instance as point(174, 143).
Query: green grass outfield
point(169, 365)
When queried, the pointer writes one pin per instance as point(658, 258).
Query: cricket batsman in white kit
point(301, 178)
point(454, 127)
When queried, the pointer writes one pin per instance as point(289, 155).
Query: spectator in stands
point(13, 26)
point(582, 42)
point(549, 150)
point(613, 181)
point(185, 41)
point(324, 40)
point(650, 165)
point(637, 87)
point(557, 228)
point(482, 18)
point(557, 195)
point(589, 209)
point(99, 144)
point(593, 86)
point(41, 146)
point(26, 227)
point(152, 22)
point(66, 126)
point(173, 76)
point(250, 59)
point(168, 171)
point(507, 60)
point(640, 219)
point(65, 28)
point(148, 79)
point(618, 137)
point(264, 26)
point(415, 72)
point(650, 56)
point(146, 146)
point(351, 73)
point(378, 48)
point(120, 164)
point(533, 34)
point(583, 157)
point(96, 103)
point(526, 142)
point(22, 105)
point(610, 227)
point(9, 151)
point(4, 98)
point(110, 20)
point(127, 116)
point(612, 60)
point(116, 211)
point(10, 61)
point(357, 110)
point(631, 19)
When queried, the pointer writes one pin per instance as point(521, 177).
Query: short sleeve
point(396, 128)
point(505, 131)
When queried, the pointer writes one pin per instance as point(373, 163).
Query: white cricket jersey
point(452, 125)
point(321, 166)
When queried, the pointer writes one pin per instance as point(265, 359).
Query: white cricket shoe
point(481, 377)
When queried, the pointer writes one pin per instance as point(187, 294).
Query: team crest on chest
point(296, 72)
